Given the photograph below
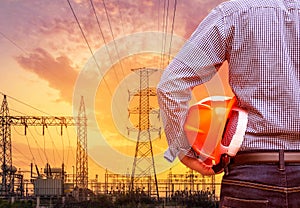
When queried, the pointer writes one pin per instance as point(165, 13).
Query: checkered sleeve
point(196, 63)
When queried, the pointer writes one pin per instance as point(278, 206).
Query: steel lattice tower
point(143, 164)
point(8, 172)
point(81, 152)
point(5, 150)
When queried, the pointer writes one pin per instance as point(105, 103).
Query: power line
point(122, 22)
point(69, 148)
point(20, 134)
point(158, 29)
point(158, 16)
point(13, 42)
point(39, 147)
point(54, 147)
point(63, 145)
point(83, 35)
point(29, 147)
point(115, 45)
point(17, 111)
point(20, 48)
point(165, 30)
point(172, 30)
point(45, 148)
point(121, 17)
point(28, 105)
point(87, 43)
point(24, 156)
point(102, 35)
point(166, 27)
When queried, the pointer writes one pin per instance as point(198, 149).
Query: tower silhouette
point(143, 164)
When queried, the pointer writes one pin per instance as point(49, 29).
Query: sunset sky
point(49, 60)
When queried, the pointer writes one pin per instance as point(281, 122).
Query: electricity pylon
point(143, 164)
point(81, 153)
point(5, 149)
point(5, 142)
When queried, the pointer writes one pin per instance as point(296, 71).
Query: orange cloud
point(56, 70)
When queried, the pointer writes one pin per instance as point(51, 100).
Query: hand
point(196, 165)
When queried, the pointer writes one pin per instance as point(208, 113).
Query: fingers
point(196, 165)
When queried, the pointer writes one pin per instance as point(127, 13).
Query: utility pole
point(143, 164)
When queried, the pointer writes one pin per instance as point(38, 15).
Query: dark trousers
point(261, 185)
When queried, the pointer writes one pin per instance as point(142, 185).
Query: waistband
point(279, 157)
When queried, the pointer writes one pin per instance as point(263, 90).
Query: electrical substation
point(107, 153)
point(54, 185)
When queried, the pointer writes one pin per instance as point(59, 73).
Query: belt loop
point(281, 160)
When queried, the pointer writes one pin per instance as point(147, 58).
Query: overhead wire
point(30, 150)
point(44, 140)
point(62, 141)
point(122, 22)
point(105, 42)
point(158, 16)
point(83, 35)
point(172, 30)
point(28, 105)
point(28, 143)
point(63, 148)
point(158, 29)
point(17, 46)
point(126, 46)
point(21, 163)
point(165, 27)
point(20, 48)
point(121, 18)
point(88, 45)
point(20, 134)
point(102, 35)
point(37, 132)
point(164, 44)
point(164, 31)
point(114, 41)
point(54, 147)
point(69, 148)
point(45, 148)
point(37, 144)
point(27, 53)
point(11, 109)
point(86, 41)
point(13, 42)
point(20, 152)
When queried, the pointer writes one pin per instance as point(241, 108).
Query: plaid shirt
point(260, 39)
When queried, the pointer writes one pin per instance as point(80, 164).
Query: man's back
point(263, 50)
point(260, 39)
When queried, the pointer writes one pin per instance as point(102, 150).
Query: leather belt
point(279, 157)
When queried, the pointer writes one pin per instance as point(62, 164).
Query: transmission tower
point(81, 153)
point(5, 150)
point(143, 164)
point(8, 172)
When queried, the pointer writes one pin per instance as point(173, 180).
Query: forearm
point(173, 106)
